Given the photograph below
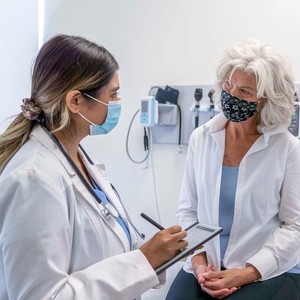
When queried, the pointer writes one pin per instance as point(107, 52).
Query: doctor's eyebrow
point(115, 89)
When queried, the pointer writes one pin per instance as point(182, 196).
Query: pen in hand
point(152, 221)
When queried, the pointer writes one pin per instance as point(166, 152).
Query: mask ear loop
point(261, 106)
point(82, 116)
point(95, 99)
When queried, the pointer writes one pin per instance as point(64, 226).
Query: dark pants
point(286, 286)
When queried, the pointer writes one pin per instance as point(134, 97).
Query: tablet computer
point(197, 235)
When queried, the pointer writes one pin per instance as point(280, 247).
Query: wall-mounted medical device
point(198, 94)
point(149, 111)
point(170, 116)
point(167, 95)
point(169, 112)
point(294, 127)
point(177, 118)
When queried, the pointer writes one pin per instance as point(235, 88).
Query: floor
point(160, 294)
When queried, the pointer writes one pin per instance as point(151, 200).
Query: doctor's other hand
point(164, 245)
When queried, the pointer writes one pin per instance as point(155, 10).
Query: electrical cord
point(146, 146)
point(152, 88)
point(151, 159)
point(154, 179)
point(146, 142)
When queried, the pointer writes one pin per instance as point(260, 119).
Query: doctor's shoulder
point(35, 160)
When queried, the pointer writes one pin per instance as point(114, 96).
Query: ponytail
point(13, 138)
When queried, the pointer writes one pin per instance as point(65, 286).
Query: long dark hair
point(64, 63)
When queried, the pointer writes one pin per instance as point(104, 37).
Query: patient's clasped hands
point(220, 284)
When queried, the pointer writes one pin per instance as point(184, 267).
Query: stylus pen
point(152, 221)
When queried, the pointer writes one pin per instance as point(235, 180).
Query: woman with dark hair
point(64, 233)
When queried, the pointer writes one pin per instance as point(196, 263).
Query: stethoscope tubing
point(105, 211)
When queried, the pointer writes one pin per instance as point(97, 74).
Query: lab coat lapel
point(98, 172)
point(82, 190)
point(99, 175)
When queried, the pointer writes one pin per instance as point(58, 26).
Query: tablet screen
point(197, 235)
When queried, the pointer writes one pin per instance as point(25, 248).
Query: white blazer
point(266, 225)
point(55, 243)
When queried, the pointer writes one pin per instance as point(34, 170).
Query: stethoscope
point(106, 211)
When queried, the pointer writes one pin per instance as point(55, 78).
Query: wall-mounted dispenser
point(167, 114)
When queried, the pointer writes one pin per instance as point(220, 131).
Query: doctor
point(64, 233)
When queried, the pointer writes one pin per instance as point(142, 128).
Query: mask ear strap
point(95, 99)
point(262, 99)
point(82, 116)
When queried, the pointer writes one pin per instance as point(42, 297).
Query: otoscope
point(211, 102)
point(198, 96)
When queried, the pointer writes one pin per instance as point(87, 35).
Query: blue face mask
point(112, 117)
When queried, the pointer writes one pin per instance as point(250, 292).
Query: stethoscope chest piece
point(108, 210)
point(105, 212)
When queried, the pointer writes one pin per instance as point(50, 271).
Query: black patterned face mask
point(235, 109)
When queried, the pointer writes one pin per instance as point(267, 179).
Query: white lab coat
point(266, 225)
point(55, 243)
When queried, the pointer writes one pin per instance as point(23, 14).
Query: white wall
point(18, 34)
point(156, 42)
point(170, 42)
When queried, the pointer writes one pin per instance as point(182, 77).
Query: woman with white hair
point(242, 173)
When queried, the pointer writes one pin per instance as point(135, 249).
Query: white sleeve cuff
point(264, 262)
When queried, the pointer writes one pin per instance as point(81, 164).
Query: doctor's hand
point(164, 245)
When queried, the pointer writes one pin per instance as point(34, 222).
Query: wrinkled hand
point(200, 272)
point(229, 279)
point(164, 245)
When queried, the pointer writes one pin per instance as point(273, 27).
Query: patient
point(242, 173)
